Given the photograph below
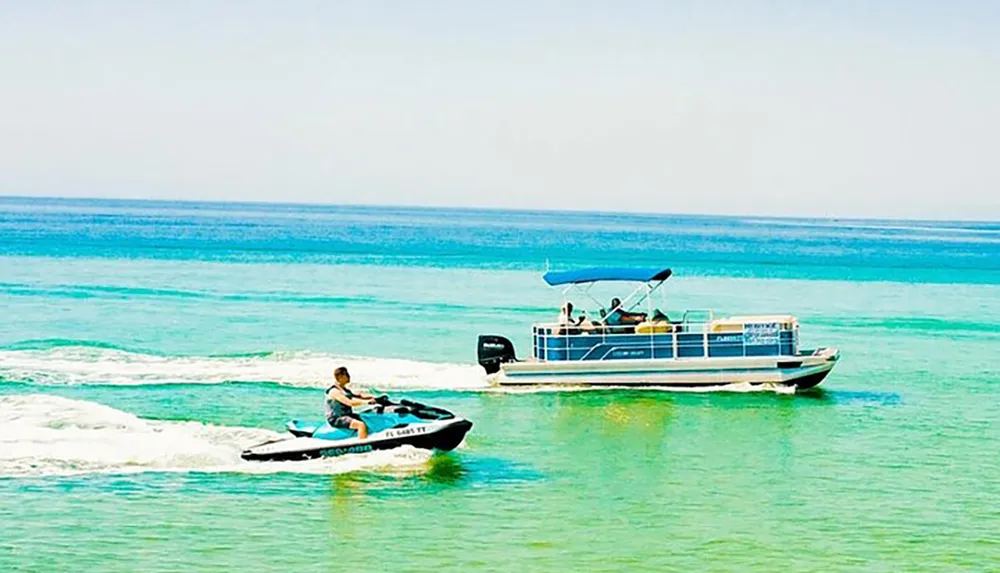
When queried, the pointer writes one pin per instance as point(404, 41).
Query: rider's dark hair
point(340, 371)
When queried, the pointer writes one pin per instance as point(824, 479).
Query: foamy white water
point(44, 435)
point(89, 365)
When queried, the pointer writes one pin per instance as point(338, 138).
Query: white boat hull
point(802, 371)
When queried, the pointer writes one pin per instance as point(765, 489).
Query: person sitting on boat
point(340, 404)
point(566, 321)
point(618, 316)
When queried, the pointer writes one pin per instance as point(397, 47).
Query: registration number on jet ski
point(403, 432)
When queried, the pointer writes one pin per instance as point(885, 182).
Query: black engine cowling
point(494, 351)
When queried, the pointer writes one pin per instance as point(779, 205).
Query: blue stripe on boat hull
point(802, 377)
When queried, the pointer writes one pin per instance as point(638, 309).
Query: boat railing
point(708, 313)
point(711, 338)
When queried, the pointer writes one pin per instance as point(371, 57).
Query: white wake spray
point(45, 435)
point(96, 365)
point(90, 365)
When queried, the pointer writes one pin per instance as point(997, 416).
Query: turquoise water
point(143, 345)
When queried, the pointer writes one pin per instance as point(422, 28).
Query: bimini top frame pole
point(584, 279)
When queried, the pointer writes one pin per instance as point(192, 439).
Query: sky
point(877, 108)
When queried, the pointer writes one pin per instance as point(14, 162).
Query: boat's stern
point(493, 351)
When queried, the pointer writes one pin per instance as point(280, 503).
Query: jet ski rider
point(340, 403)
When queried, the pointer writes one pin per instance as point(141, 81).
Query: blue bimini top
point(601, 274)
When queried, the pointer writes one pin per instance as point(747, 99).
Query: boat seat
point(655, 327)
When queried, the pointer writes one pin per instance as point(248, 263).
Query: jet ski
point(390, 425)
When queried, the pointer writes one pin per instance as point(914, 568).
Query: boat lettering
point(760, 334)
point(623, 353)
point(348, 450)
point(728, 338)
point(270, 448)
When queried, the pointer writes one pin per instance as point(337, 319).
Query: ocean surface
point(144, 344)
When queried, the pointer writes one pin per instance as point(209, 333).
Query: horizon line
point(259, 202)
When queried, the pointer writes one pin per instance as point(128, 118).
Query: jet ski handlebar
point(378, 405)
point(383, 404)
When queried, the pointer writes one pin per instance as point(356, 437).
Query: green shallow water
point(590, 481)
point(129, 383)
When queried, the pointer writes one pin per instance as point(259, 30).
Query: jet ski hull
point(443, 435)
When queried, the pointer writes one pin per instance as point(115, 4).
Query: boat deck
point(716, 338)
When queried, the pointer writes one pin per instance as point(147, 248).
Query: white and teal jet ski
point(390, 425)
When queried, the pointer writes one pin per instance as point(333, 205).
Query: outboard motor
point(494, 351)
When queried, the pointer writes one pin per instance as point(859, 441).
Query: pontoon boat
point(698, 349)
